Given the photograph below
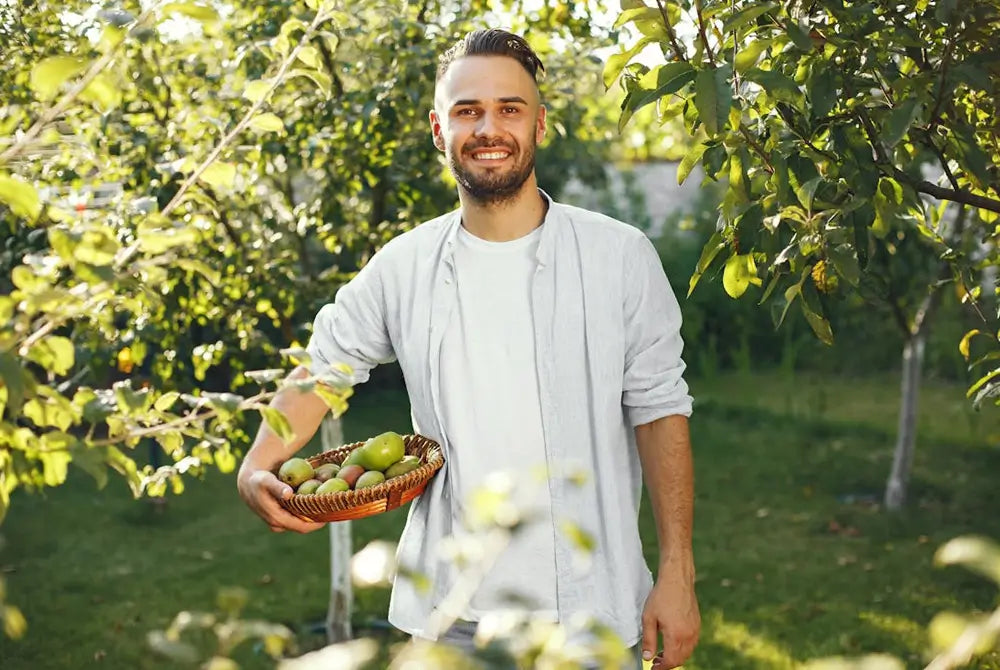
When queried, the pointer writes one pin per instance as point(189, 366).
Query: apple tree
point(860, 151)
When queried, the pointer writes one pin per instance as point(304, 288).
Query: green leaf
point(978, 554)
point(715, 244)
point(219, 175)
point(617, 62)
point(691, 158)
point(278, 423)
point(649, 20)
point(335, 399)
point(46, 413)
point(225, 460)
point(744, 16)
point(899, 120)
point(201, 13)
point(799, 35)
point(778, 86)
point(657, 83)
point(750, 54)
point(740, 271)
point(310, 55)
point(21, 197)
point(268, 122)
point(212, 275)
point(256, 90)
point(12, 377)
point(154, 239)
point(102, 93)
point(92, 462)
point(54, 465)
point(712, 97)
point(822, 89)
point(97, 246)
point(888, 197)
point(846, 263)
point(54, 353)
point(976, 163)
point(321, 79)
point(820, 326)
point(48, 76)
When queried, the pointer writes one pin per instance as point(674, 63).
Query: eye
point(510, 109)
point(467, 111)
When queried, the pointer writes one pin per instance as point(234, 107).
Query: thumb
point(649, 635)
point(277, 488)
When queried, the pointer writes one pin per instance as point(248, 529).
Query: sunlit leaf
point(278, 423)
point(219, 175)
point(267, 122)
point(20, 196)
point(740, 271)
point(48, 76)
point(256, 90)
point(617, 62)
point(975, 553)
point(54, 353)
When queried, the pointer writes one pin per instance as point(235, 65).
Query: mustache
point(473, 146)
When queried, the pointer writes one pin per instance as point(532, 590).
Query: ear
point(540, 125)
point(436, 132)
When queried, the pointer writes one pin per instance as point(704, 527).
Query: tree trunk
point(338, 614)
point(906, 433)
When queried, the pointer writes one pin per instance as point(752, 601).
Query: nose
point(487, 126)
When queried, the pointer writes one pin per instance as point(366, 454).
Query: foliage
point(825, 120)
point(182, 186)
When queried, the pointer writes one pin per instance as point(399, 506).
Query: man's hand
point(672, 609)
point(261, 491)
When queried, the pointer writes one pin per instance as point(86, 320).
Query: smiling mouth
point(492, 156)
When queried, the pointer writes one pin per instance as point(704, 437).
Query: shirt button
point(447, 280)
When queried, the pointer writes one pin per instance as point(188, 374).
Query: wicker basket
point(383, 497)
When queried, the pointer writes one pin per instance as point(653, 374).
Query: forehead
point(485, 78)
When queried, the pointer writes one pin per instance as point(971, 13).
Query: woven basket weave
point(383, 497)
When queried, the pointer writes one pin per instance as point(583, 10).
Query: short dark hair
point(492, 42)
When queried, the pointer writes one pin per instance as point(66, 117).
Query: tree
point(181, 188)
point(830, 122)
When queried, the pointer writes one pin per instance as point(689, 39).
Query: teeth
point(492, 155)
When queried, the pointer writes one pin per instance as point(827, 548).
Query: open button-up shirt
point(607, 336)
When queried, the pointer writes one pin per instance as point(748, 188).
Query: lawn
point(795, 558)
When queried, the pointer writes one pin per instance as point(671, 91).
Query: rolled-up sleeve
point(352, 330)
point(653, 386)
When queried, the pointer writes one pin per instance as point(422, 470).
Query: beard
point(493, 186)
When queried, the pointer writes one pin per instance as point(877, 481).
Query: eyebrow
point(505, 100)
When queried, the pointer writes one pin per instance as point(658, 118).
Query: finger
point(649, 633)
point(276, 515)
point(277, 529)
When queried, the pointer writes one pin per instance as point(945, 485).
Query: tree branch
point(678, 51)
point(701, 31)
point(942, 193)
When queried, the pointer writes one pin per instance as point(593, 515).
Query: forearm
point(304, 411)
point(665, 454)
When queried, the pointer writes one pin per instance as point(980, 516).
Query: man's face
point(488, 121)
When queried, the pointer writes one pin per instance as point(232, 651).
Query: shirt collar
point(545, 243)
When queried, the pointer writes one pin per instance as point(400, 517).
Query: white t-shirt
point(492, 412)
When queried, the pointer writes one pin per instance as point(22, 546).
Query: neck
point(507, 220)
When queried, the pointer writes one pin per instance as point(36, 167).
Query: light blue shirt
point(607, 336)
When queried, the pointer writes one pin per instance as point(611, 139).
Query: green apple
point(382, 451)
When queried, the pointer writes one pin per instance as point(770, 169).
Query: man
point(527, 331)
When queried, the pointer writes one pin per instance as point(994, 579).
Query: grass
point(795, 558)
